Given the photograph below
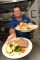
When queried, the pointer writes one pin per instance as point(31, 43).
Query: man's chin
point(18, 16)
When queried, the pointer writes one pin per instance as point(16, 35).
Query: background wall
point(34, 8)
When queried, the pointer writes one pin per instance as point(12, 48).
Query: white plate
point(34, 26)
point(28, 30)
point(28, 49)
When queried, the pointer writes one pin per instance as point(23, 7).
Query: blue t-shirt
point(13, 23)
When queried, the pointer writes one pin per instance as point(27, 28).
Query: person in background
point(16, 19)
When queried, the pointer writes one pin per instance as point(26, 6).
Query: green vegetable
point(11, 45)
point(28, 28)
point(17, 48)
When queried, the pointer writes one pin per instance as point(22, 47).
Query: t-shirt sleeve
point(27, 20)
point(11, 25)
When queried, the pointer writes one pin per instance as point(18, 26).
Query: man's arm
point(11, 26)
point(11, 31)
point(11, 36)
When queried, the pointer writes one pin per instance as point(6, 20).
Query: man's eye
point(14, 11)
point(18, 10)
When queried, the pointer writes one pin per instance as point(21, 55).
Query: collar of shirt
point(14, 18)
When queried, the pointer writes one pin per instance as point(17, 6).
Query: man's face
point(17, 12)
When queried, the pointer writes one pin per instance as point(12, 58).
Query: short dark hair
point(16, 7)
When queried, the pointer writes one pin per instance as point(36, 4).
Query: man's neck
point(19, 18)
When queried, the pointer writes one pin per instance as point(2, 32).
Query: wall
point(34, 7)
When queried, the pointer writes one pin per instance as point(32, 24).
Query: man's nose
point(17, 11)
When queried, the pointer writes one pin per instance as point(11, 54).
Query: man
point(17, 18)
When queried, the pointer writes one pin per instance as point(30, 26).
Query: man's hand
point(10, 37)
point(11, 31)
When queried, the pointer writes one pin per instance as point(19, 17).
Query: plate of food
point(17, 48)
point(24, 27)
